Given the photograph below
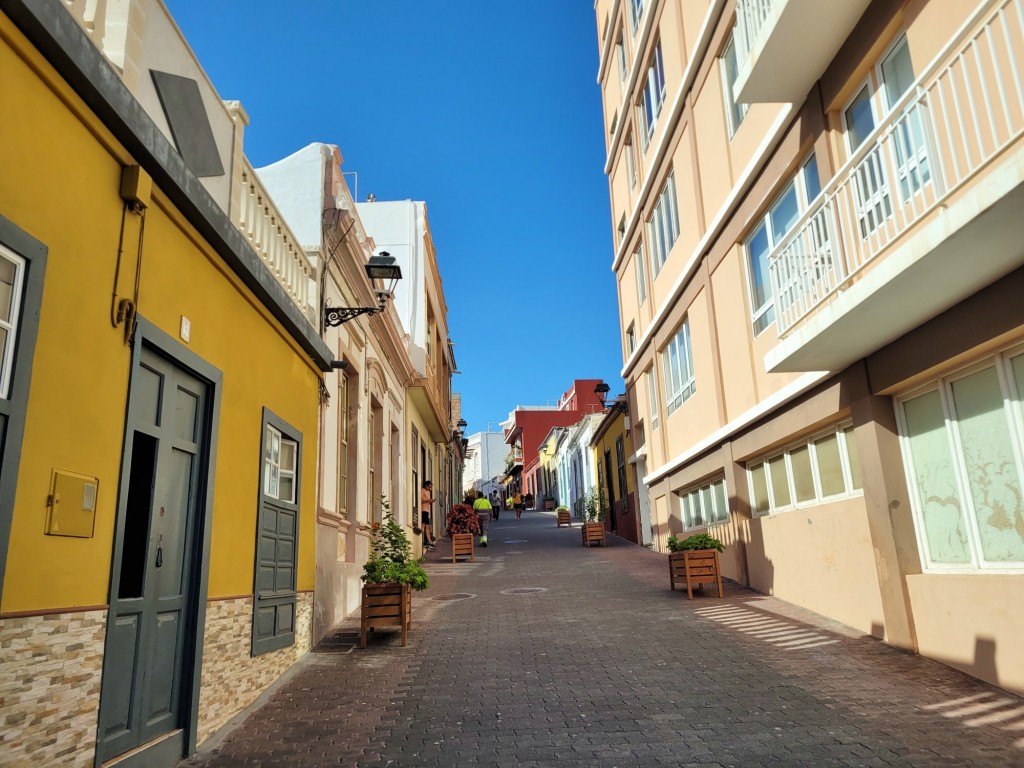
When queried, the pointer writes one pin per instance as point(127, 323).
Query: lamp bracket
point(335, 316)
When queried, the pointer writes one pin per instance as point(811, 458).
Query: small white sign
point(186, 328)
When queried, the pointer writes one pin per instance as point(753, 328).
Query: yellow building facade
point(819, 265)
point(159, 455)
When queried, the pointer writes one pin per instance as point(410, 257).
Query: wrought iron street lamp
point(601, 390)
point(380, 266)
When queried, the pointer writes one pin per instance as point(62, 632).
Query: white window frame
point(734, 111)
point(663, 225)
point(652, 95)
point(620, 46)
point(709, 518)
point(764, 315)
point(11, 326)
point(1013, 408)
point(841, 431)
point(273, 469)
point(636, 12)
point(652, 397)
point(677, 358)
point(641, 275)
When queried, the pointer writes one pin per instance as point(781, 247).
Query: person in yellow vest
point(482, 507)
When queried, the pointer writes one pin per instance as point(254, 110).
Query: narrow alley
point(543, 653)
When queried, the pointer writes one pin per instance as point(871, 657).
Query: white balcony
point(278, 248)
point(927, 212)
point(784, 46)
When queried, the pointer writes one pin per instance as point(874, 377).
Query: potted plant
point(549, 503)
point(389, 575)
point(594, 510)
point(562, 516)
point(695, 561)
point(463, 525)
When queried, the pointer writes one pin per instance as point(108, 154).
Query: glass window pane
point(760, 489)
point(854, 457)
point(934, 480)
point(860, 122)
point(784, 214)
point(1017, 366)
point(812, 180)
point(757, 254)
point(780, 482)
point(287, 488)
point(706, 505)
point(991, 466)
point(684, 509)
point(287, 455)
point(830, 468)
point(721, 503)
point(8, 272)
point(803, 479)
point(897, 72)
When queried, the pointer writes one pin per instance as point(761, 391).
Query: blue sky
point(488, 111)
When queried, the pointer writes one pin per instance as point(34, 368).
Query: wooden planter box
point(593, 534)
point(549, 505)
point(462, 545)
point(695, 566)
point(385, 605)
point(563, 517)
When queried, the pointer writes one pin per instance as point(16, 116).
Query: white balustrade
point(278, 248)
point(958, 117)
point(750, 17)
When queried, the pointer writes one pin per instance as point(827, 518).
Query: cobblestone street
point(545, 653)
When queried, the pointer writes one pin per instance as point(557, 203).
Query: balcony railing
point(960, 114)
point(750, 18)
point(278, 248)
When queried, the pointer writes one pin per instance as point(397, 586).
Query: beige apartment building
point(818, 250)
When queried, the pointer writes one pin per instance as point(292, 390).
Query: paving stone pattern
point(605, 666)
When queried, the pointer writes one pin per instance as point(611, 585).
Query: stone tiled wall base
point(50, 670)
point(232, 678)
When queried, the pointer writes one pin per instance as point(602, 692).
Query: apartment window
point(414, 463)
point(620, 231)
point(12, 275)
point(641, 276)
point(774, 225)
point(823, 468)
point(343, 443)
point(678, 363)
point(704, 505)
point(734, 111)
point(620, 54)
point(663, 226)
point(630, 340)
point(631, 161)
point(430, 337)
point(894, 77)
point(277, 551)
point(636, 10)
point(653, 96)
point(652, 398)
point(962, 439)
point(614, 124)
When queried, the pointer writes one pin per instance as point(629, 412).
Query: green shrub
point(391, 560)
point(696, 541)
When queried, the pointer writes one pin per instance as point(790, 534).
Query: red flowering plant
point(462, 518)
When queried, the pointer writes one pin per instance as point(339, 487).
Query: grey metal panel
point(186, 115)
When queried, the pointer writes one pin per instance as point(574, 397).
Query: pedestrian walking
point(482, 507)
point(517, 504)
point(426, 508)
point(495, 505)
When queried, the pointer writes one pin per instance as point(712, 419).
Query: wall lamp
point(601, 390)
point(380, 266)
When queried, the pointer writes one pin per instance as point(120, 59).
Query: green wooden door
point(150, 627)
